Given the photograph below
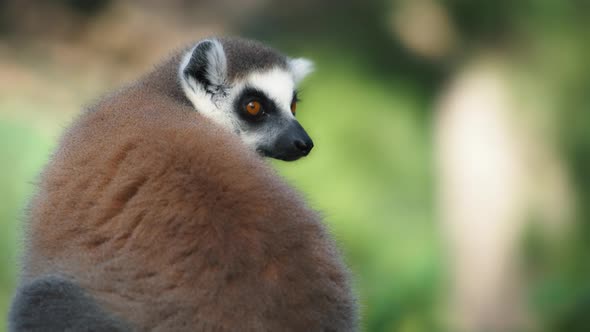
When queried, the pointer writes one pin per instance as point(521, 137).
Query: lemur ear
point(300, 68)
point(206, 64)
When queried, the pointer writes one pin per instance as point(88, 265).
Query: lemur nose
point(304, 146)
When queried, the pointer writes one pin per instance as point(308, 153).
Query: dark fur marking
point(122, 198)
point(54, 303)
point(268, 105)
point(96, 242)
point(184, 254)
point(128, 192)
point(145, 275)
point(122, 239)
point(115, 163)
point(136, 221)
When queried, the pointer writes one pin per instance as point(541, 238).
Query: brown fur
point(172, 224)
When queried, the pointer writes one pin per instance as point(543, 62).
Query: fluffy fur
point(149, 216)
point(300, 68)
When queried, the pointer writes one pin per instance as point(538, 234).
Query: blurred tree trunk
point(490, 181)
point(480, 188)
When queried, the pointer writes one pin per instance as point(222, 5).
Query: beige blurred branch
point(489, 181)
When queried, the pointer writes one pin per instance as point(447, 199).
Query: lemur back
point(149, 216)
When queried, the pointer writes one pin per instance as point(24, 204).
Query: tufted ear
point(206, 66)
point(300, 68)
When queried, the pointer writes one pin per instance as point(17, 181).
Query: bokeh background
point(452, 138)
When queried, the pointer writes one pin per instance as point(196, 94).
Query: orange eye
point(253, 108)
point(294, 107)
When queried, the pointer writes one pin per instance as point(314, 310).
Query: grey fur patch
point(245, 56)
point(54, 303)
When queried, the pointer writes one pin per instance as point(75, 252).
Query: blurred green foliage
point(23, 152)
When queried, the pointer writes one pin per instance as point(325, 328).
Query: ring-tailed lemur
point(253, 94)
point(156, 212)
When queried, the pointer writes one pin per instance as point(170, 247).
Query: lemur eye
point(253, 107)
point(294, 107)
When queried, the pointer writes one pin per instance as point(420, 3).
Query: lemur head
point(249, 89)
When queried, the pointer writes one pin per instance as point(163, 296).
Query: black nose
point(292, 144)
point(304, 146)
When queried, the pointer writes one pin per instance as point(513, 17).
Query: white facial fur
point(300, 68)
point(277, 83)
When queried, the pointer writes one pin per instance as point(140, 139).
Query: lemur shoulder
point(157, 212)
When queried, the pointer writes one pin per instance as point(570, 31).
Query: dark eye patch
point(249, 94)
